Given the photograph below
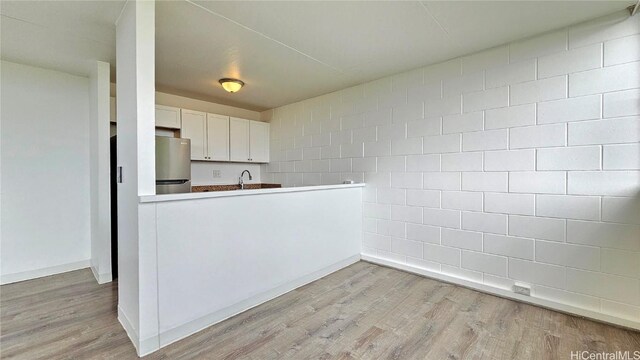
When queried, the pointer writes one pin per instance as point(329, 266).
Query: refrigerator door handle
point(171, 182)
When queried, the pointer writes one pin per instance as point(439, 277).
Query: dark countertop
point(207, 188)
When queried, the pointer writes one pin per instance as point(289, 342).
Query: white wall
point(45, 172)
point(100, 192)
point(519, 163)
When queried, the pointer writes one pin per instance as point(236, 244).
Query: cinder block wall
point(516, 163)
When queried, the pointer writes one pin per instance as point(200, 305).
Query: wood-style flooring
point(364, 311)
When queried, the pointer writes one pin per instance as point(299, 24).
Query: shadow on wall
point(624, 210)
point(621, 227)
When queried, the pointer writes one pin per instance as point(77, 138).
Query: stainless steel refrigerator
point(173, 165)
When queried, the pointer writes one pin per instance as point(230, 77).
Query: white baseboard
point(101, 278)
point(143, 347)
point(184, 330)
point(129, 329)
point(38, 273)
point(149, 345)
point(548, 304)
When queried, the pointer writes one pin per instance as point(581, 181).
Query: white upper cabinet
point(209, 134)
point(217, 137)
point(258, 141)
point(248, 141)
point(194, 127)
point(239, 140)
point(221, 138)
point(167, 117)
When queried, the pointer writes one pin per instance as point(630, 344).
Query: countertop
point(207, 188)
point(215, 194)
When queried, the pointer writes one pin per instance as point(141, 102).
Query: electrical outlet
point(522, 289)
point(217, 174)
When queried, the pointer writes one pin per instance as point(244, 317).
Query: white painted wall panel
point(519, 204)
point(567, 62)
point(537, 136)
point(622, 103)
point(292, 235)
point(462, 239)
point(442, 254)
point(572, 109)
point(511, 160)
point(607, 131)
point(610, 78)
point(569, 158)
point(539, 90)
point(622, 50)
point(575, 256)
point(621, 157)
point(424, 233)
point(45, 172)
point(537, 227)
point(509, 246)
point(513, 73)
point(490, 264)
point(568, 207)
point(512, 116)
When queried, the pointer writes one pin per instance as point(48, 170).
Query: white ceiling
point(61, 35)
point(284, 51)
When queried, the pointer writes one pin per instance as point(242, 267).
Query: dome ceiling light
point(231, 85)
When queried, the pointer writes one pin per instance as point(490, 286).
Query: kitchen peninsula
point(245, 247)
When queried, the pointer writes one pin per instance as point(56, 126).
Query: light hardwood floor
point(364, 311)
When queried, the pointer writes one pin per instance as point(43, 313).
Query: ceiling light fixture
point(231, 85)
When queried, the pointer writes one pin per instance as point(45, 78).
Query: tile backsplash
point(202, 173)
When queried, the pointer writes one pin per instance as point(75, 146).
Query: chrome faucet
point(241, 182)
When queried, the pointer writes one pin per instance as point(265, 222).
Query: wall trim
point(101, 278)
point(180, 332)
point(492, 290)
point(38, 273)
point(148, 345)
point(129, 329)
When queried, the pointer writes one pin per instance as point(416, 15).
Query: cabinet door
point(218, 137)
point(112, 109)
point(167, 117)
point(258, 141)
point(238, 139)
point(194, 124)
